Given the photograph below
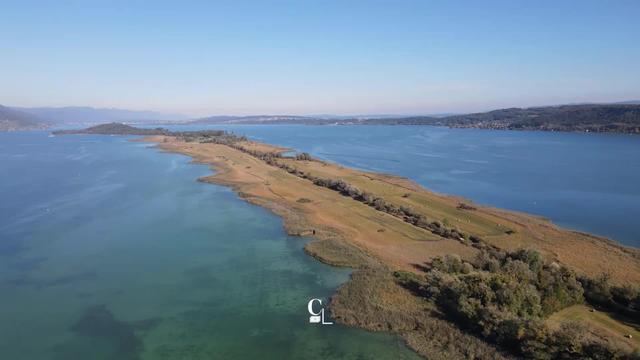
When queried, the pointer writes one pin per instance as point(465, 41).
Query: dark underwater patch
point(99, 322)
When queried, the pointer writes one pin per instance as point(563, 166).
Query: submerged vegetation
point(99, 323)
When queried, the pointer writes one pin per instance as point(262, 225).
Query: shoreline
point(381, 303)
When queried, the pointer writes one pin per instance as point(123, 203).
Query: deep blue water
point(587, 182)
point(111, 250)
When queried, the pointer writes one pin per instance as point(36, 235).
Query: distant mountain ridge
point(13, 120)
point(73, 115)
point(619, 117)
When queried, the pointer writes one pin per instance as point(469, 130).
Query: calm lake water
point(112, 250)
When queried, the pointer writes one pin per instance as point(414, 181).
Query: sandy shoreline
point(348, 233)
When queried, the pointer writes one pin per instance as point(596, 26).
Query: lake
point(111, 250)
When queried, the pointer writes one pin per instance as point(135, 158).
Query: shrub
point(303, 156)
point(624, 300)
point(504, 297)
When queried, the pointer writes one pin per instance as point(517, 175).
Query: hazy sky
point(312, 57)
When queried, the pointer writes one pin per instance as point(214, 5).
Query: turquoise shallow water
point(112, 250)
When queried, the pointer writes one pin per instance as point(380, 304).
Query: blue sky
point(318, 57)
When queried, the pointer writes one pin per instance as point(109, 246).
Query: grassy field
point(600, 324)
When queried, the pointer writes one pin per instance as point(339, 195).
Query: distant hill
point(114, 129)
point(11, 120)
point(75, 115)
point(622, 118)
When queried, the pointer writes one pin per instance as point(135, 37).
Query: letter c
point(310, 306)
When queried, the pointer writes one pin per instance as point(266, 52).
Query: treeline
point(405, 213)
point(505, 297)
point(209, 137)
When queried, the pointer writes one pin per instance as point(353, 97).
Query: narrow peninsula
point(453, 278)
